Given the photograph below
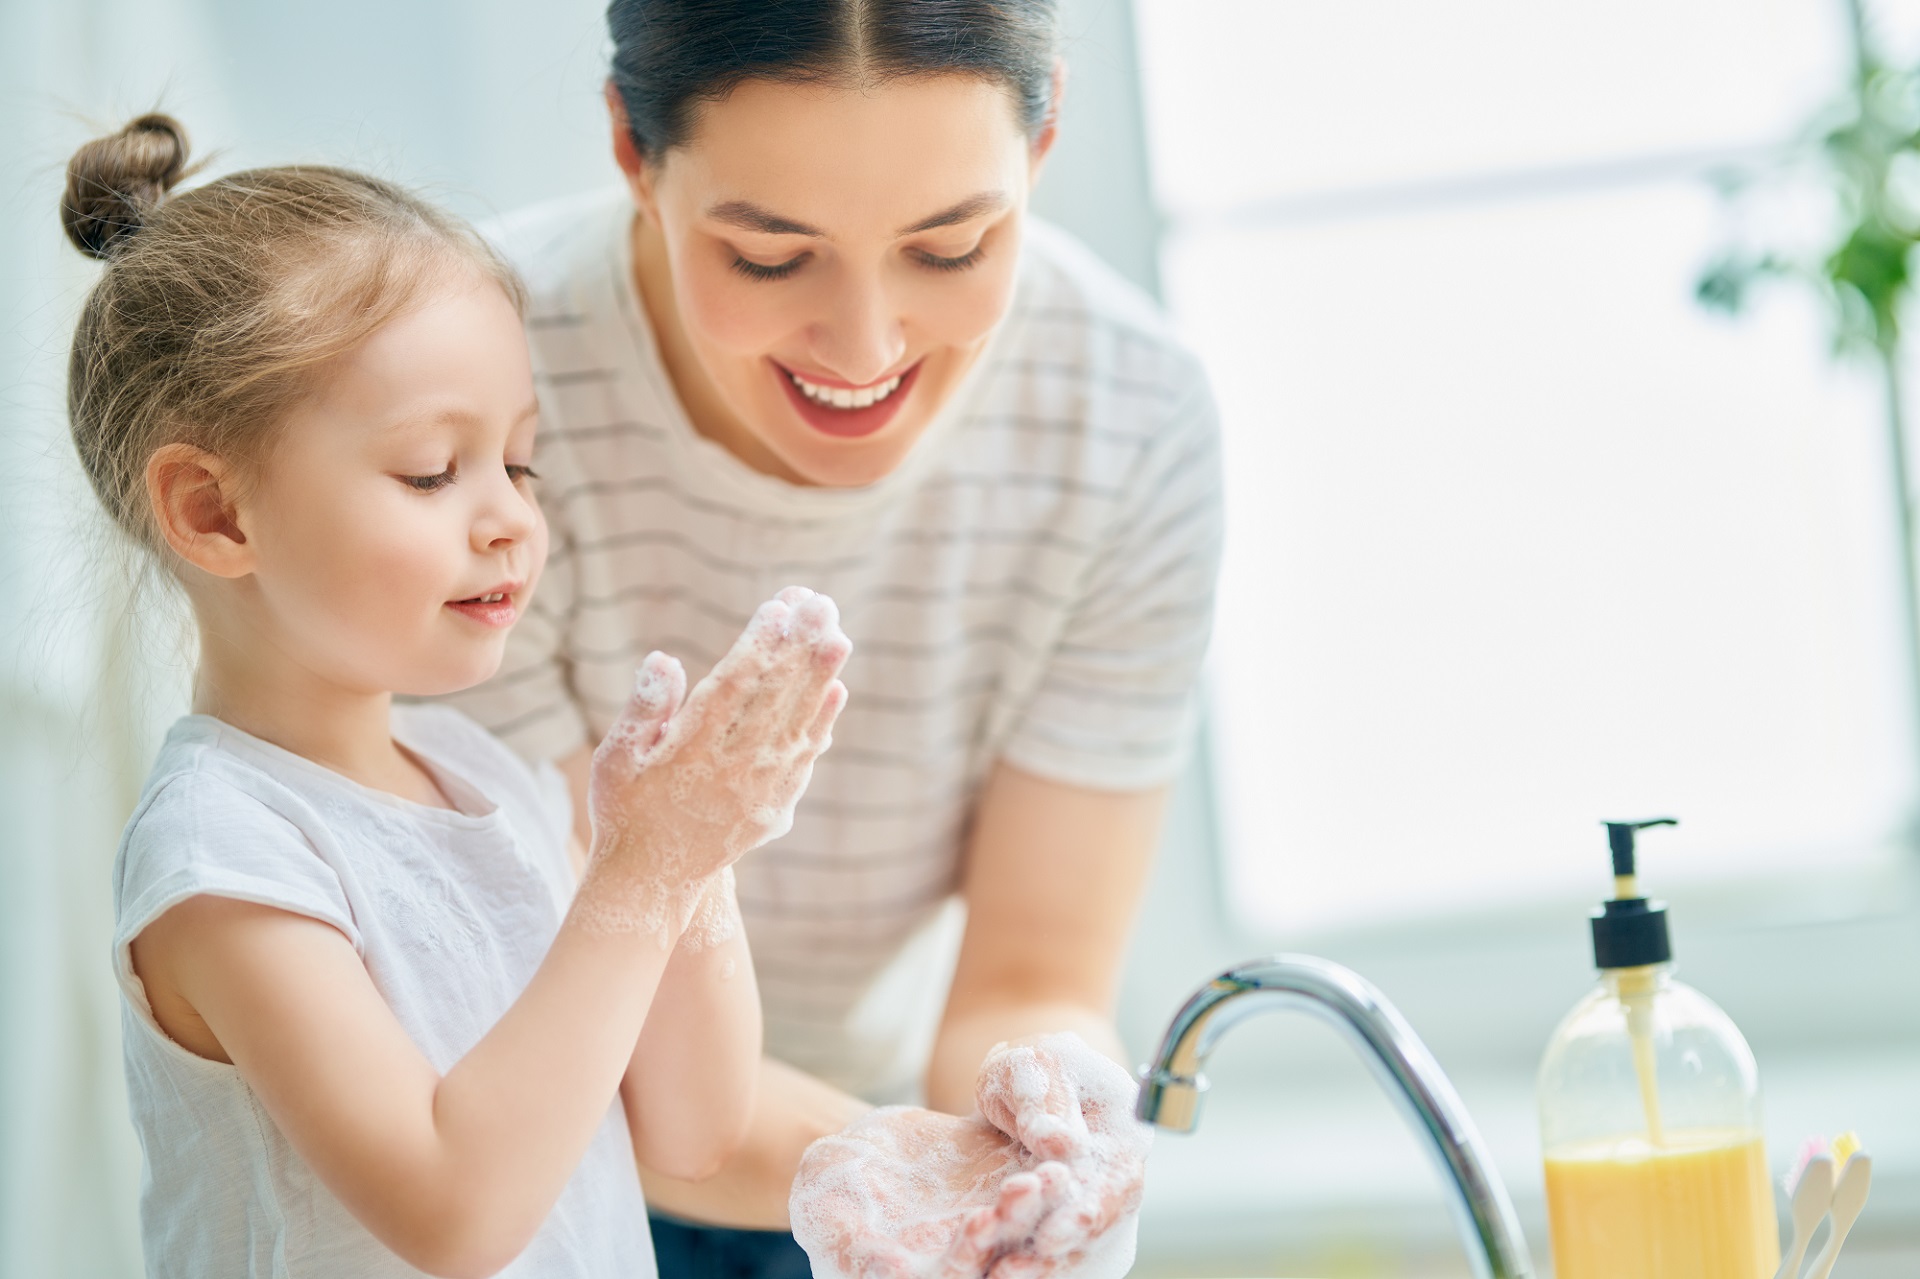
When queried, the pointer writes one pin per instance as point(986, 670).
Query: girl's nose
point(507, 515)
point(861, 339)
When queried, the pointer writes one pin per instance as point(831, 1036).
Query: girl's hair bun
point(115, 182)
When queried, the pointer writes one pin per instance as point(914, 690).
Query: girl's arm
point(456, 1172)
point(689, 1091)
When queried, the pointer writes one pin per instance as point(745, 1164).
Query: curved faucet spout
point(1171, 1087)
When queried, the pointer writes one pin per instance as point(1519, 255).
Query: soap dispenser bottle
point(1650, 1114)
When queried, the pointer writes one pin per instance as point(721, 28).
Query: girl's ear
point(191, 492)
point(626, 154)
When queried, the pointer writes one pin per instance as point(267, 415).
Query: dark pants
point(684, 1250)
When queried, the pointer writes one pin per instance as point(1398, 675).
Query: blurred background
point(1523, 534)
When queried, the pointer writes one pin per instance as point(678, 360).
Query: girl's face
point(395, 536)
point(838, 259)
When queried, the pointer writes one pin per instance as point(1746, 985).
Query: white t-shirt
point(1033, 584)
point(451, 911)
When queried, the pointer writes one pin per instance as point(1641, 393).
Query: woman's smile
point(841, 409)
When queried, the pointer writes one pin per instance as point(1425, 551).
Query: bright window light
point(1519, 537)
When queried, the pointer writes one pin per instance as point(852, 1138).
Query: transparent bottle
point(1650, 1115)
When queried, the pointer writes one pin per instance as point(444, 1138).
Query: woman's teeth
point(494, 598)
point(840, 397)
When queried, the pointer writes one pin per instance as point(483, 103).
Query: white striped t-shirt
point(1033, 584)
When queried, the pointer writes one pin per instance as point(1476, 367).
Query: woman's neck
point(246, 680)
point(709, 414)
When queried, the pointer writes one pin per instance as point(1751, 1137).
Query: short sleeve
point(1114, 707)
point(530, 703)
point(200, 834)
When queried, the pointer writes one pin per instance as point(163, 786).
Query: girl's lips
point(498, 614)
point(846, 424)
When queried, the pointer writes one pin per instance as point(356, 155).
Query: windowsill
point(1330, 1178)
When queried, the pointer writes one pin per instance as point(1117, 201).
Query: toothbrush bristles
point(1810, 1149)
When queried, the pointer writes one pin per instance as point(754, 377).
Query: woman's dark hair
point(672, 56)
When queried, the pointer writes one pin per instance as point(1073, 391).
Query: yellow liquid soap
point(1697, 1206)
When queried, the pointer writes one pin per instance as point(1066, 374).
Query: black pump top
point(1630, 931)
point(1620, 839)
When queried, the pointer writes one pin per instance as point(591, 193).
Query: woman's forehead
point(884, 159)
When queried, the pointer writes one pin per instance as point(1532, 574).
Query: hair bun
point(114, 182)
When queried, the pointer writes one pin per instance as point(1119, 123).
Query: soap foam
point(684, 784)
point(1044, 1183)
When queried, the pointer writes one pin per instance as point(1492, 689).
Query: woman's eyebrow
point(971, 207)
point(751, 217)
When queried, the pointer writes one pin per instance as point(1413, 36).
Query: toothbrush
point(1810, 1187)
point(1849, 1196)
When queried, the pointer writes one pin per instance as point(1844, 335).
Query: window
point(1519, 537)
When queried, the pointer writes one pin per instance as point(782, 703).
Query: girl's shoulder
point(217, 815)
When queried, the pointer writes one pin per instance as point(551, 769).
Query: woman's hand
point(905, 1193)
point(1064, 1102)
point(1048, 1183)
point(685, 783)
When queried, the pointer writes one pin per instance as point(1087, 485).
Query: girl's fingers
point(738, 679)
point(659, 688)
point(832, 701)
point(819, 649)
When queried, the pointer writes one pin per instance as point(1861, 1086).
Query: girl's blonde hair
point(219, 305)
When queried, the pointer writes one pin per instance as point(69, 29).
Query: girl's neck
point(244, 680)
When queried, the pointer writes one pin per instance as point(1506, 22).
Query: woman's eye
point(428, 483)
point(517, 473)
point(933, 261)
point(760, 271)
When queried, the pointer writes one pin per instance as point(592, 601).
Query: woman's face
point(838, 258)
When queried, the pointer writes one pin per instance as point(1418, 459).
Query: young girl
point(372, 1027)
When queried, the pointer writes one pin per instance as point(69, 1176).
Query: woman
point(816, 339)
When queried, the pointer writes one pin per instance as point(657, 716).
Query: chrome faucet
point(1170, 1088)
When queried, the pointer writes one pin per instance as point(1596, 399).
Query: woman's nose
point(861, 339)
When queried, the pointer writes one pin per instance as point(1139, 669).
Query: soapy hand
point(1046, 1181)
point(906, 1193)
point(1065, 1103)
point(685, 783)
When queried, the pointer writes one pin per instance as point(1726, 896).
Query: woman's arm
point(1054, 875)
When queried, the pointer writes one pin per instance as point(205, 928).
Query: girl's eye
point(760, 271)
point(935, 262)
point(428, 483)
point(518, 473)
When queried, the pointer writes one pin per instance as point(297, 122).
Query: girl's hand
point(685, 783)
